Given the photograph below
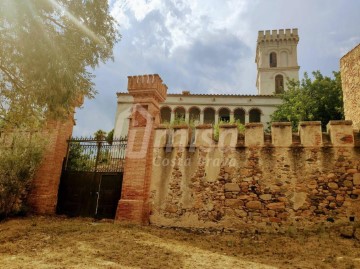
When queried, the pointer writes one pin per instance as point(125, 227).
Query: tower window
point(279, 84)
point(273, 60)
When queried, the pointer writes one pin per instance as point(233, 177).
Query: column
point(201, 117)
point(232, 116)
point(172, 117)
point(187, 116)
point(148, 91)
point(216, 117)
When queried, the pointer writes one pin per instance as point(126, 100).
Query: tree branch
point(12, 77)
point(53, 21)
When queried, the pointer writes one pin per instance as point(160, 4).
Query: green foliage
point(79, 159)
point(179, 120)
point(110, 137)
point(239, 125)
point(100, 135)
point(47, 50)
point(317, 99)
point(18, 162)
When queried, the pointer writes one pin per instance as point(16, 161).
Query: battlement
point(147, 83)
point(278, 35)
point(310, 135)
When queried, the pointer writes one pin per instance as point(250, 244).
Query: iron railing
point(95, 155)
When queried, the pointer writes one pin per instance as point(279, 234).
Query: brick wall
point(148, 91)
point(245, 181)
point(44, 190)
point(350, 76)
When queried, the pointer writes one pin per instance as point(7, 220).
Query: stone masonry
point(251, 180)
point(350, 76)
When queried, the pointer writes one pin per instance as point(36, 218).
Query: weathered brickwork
point(43, 194)
point(243, 185)
point(350, 76)
point(148, 91)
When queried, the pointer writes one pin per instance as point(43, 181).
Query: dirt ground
point(54, 242)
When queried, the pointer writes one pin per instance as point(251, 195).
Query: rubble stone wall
point(255, 180)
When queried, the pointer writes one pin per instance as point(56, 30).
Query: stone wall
point(350, 76)
point(255, 179)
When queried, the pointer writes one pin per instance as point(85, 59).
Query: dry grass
point(51, 242)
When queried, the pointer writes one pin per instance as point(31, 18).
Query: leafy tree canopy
point(317, 99)
point(47, 48)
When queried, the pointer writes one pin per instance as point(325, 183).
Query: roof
point(212, 95)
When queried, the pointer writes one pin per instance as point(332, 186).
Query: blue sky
point(208, 46)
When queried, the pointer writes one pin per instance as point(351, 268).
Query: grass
point(54, 242)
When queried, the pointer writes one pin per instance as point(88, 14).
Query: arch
point(273, 59)
point(194, 114)
point(239, 114)
point(209, 115)
point(224, 114)
point(165, 114)
point(255, 115)
point(179, 113)
point(279, 84)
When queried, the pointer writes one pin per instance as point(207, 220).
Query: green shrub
point(18, 163)
point(239, 125)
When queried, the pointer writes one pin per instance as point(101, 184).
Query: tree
point(19, 159)
point(319, 99)
point(47, 48)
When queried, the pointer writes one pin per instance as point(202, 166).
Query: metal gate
point(91, 180)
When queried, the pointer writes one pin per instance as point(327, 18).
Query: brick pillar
point(148, 91)
point(44, 190)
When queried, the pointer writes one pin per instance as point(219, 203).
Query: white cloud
point(208, 46)
point(185, 20)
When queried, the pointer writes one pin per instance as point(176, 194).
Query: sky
point(208, 46)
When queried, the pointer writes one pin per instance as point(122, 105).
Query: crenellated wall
point(255, 179)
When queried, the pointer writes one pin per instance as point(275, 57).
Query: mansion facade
point(276, 60)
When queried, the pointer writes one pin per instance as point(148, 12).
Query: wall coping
point(309, 123)
point(228, 125)
point(204, 126)
point(278, 124)
point(181, 126)
point(253, 124)
point(161, 126)
point(340, 122)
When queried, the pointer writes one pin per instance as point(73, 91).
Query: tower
point(276, 60)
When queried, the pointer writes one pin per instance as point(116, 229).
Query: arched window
point(224, 114)
point(194, 114)
point(165, 114)
point(209, 115)
point(180, 113)
point(273, 60)
point(279, 84)
point(239, 114)
point(255, 115)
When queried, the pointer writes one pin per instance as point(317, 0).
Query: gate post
point(148, 91)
